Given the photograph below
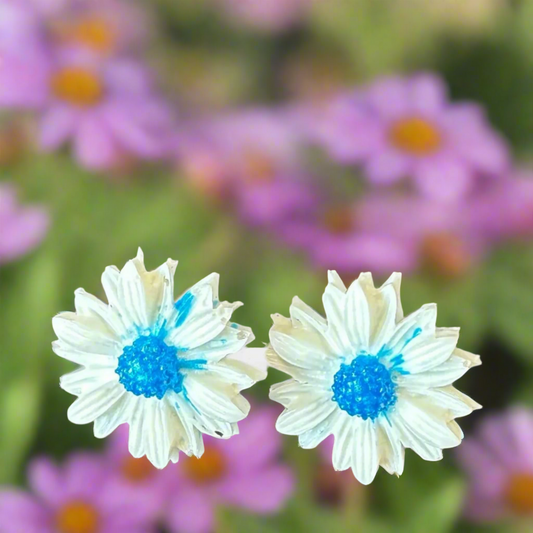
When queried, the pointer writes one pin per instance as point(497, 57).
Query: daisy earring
point(376, 380)
point(173, 370)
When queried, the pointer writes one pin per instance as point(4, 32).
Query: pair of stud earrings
point(174, 369)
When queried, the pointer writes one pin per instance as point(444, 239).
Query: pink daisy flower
point(498, 461)
point(21, 228)
point(243, 471)
point(106, 108)
point(251, 157)
point(74, 498)
point(406, 127)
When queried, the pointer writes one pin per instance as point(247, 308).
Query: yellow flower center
point(415, 135)
point(92, 32)
point(210, 467)
point(77, 86)
point(445, 254)
point(339, 219)
point(137, 470)
point(520, 493)
point(77, 517)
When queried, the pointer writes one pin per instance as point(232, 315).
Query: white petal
point(334, 300)
point(88, 305)
point(318, 377)
point(307, 316)
point(251, 361)
point(292, 393)
point(313, 437)
point(86, 334)
point(215, 399)
point(185, 436)
point(392, 453)
point(357, 318)
point(110, 279)
point(424, 354)
point(411, 440)
point(156, 432)
point(395, 280)
point(383, 306)
point(343, 444)
point(90, 406)
point(300, 347)
point(119, 414)
point(450, 399)
point(136, 438)
point(229, 341)
point(85, 380)
point(423, 321)
point(131, 296)
point(365, 456)
point(296, 421)
point(440, 376)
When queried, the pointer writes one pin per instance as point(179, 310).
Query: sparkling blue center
point(364, 387)
point(150, 367)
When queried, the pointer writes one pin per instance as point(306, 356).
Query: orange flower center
point(77, 517)
point(416, 136)
point(210, 467)
point(520, 493)
point(77, 86)
point(137, 470)
point(445, 254)
point(92, 32)
point(258, 167)
point(339, 219)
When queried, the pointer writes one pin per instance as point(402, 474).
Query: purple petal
point(191, 511)
point(262, 492)
point(391, 97)
point(21, 232)
point(443, 178)
point(428, 93)
point(95, 147)
point(486, 152)
point(521, 428)
point(257, 443)
point(57, 125)
point(46, 481)
point(84, 474)
point(20, 513)
point(388, 166)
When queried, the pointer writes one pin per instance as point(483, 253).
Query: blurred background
point(269, 141)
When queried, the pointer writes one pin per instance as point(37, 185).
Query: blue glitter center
point(150, 367)
point(364, 387)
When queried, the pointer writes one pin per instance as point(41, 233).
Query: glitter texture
point(150, 367)
point(364, 388)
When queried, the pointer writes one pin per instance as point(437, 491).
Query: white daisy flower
point(172, 370)
point(377, 381)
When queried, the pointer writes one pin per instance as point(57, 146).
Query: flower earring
point(376, 380)
point(172, 370)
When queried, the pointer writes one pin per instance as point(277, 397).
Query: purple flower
point(266, 15)
point(21, 228)
point(406, 127)
point(498, 461)
point(134, 479)
point(107, 108)
point(243, 471)
point(105, 27)
point(382, 233)
point(251, 157)
point(74, 498)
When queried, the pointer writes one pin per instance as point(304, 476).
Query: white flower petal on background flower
point(379, 382)
point(172, 370)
